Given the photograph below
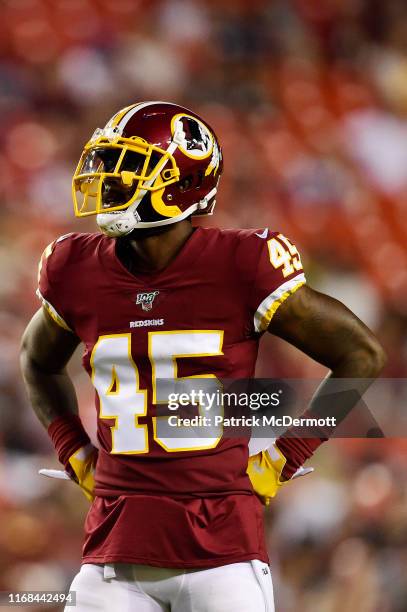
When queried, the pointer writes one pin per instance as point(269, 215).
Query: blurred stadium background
point(309, 99)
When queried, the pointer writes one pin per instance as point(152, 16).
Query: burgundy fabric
point(178, 509)
point(297, 449)
point(67, 435)
point(186, 532)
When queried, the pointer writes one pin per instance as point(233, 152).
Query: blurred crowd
point(309, 100)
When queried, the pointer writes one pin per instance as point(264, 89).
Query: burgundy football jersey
point(161, 499)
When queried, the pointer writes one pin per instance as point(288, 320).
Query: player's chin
point(146, 232)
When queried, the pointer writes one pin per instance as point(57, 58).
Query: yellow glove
point(265, 469)
point(80, 469)
point(83, 464)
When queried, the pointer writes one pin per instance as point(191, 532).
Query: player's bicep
point(322, 327)
point(46, 344)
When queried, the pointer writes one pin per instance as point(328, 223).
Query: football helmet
point(154, 163)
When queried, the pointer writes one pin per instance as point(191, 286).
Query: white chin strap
point(121, 222)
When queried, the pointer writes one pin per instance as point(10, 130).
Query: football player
point(175, 523)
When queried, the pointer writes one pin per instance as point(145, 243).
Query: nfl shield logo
point(146, 299)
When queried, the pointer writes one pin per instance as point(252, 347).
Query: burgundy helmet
point(153, 164)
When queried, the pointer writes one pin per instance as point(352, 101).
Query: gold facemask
point(114, 172)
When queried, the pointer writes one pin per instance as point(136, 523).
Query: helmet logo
point(146, 299)
point(192, 136)
point(215, 161)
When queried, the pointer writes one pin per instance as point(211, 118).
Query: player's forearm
point(331, 334)
point(51, 394)
point(53, 399)
point(339, 393)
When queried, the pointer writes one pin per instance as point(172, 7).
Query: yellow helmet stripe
point(159, 205)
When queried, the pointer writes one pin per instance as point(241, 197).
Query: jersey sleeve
point(278, 275)
point(49, 279)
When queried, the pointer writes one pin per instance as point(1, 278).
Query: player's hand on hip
point(265, 470)
point(80, 468)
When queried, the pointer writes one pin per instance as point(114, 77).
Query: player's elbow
point(376, 358)
point(368, 357)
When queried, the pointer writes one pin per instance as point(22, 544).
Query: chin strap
point(206, 201)
point(121, 223)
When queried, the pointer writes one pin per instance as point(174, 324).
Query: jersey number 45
point(116, 379)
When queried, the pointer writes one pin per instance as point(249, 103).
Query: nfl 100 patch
point(145, 299)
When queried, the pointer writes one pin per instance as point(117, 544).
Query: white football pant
point(124, 587)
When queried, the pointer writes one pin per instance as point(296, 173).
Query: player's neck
point(152, 253)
